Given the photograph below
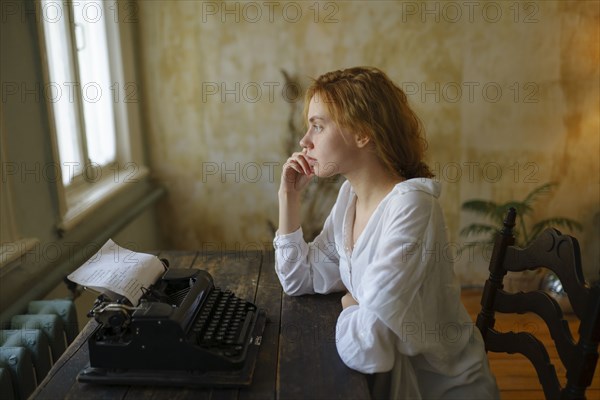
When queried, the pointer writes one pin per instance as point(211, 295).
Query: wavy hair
point(366, 101)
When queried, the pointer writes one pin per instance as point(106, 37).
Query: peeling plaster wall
point(508, 92)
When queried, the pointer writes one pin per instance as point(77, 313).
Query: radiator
point(33, 344)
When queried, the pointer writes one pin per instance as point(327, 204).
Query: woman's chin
point(326, 170)
point(325, 173)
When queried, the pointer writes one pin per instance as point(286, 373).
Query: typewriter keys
point(223, 322)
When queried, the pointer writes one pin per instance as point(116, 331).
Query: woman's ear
point(362, 140)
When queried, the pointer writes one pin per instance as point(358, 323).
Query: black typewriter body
point(184, 331)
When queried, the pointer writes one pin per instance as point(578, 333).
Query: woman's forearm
point(289, 212)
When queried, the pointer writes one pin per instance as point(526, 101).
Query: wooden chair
point(560, 254)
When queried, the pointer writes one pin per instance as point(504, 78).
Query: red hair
point(366, 101)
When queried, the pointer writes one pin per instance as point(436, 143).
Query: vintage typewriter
point(184, 332)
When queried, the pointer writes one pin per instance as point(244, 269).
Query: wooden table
point(297, 358)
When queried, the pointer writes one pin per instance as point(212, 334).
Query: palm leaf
point(496, 212)
point(540, 190)
point(469, 245)
point(478, 229)
point(484, 207)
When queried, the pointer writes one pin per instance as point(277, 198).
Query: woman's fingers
point(297, 171)
point(300, 163)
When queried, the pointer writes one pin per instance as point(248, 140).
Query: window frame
point(83, 195)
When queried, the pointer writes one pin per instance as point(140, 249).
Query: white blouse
point(400, 271)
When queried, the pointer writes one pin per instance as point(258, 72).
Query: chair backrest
point(560, 254)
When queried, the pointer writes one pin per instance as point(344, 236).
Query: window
point(88, 99)
point(80, 76)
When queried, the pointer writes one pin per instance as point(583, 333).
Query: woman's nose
point(305, 142)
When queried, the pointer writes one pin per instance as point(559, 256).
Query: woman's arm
point(303, 267)
point(289, 212)
point(296, 174)
point(363, 342)
point(306, 268)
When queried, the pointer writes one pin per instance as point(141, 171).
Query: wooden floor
point(514, 373)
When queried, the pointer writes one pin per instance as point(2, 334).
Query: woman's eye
point(317, 128)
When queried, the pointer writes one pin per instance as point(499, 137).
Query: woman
point(383, 243)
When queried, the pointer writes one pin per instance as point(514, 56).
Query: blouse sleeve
point(363, 342)
point(307, 268)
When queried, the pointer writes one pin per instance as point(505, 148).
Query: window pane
point(61, 91)
point(94, 73)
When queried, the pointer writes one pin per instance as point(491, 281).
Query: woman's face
point(329, 149)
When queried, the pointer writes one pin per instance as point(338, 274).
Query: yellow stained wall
point(508, 92)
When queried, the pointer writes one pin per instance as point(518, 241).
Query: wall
point(508, 92)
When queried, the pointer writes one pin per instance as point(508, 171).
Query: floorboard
point(515, 375)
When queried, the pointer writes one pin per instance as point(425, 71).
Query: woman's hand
point(297, 172)
point(348, 301)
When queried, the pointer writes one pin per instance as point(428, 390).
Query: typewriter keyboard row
point(224, 322)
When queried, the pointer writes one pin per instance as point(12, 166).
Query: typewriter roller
point(184, 331)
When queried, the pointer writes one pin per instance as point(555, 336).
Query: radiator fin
point(32, 344)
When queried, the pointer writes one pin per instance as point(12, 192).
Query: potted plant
point(525, 230)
